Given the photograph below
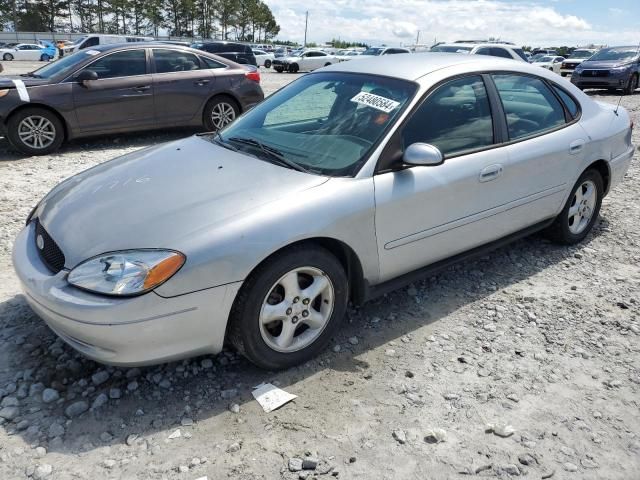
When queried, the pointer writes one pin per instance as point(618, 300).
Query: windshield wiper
point(30, 74)
point(271, 152)
point(218, 140)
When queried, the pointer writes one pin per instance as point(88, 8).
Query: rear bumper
point(142, 330)
point(619, 166)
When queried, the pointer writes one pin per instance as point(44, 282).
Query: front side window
point(91, 42)
point(326, 123)
point(121, 64)
point(483, 51)
point(174, 61)
point(455, 118)
point(531, 108)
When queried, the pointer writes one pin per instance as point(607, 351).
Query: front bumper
point(611, 81)
point(143, 330)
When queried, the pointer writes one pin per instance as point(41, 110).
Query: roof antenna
point(620, 99)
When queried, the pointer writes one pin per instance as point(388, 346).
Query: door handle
point(491, 172)
point(576, 146)
point(142, 88)
point(200, 83)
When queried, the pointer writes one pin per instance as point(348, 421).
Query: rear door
point(121, 98)
point(181, 86)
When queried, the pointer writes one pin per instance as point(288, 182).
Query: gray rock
point(99, 401)
point(234, 407)
point(166, 384)
point(295, 464)
point(36, 389)
point(337, 348)
point(109, 463)
point(353, 340)
point(435, 435)
point(207, 363)
point(310, 463)
point(186, 422)
point(183, 469)
point(106, 437)
point(9, 413)
point(234, 447)
point(400, 436)
point(500, 429)
point(132, 386)
point(132, 373)
point(588, 463)
point(527, 459)
point(115, 393)
point(229, 393)
point(40, 452)
point(22, 425)
point(570, 467)
point(76, 409)
point(451, 396)
point(50, 395)
point(55, 430)
point(131, 439)
point(100, 377)
point(510, 469)
point(42, 471)
point(9, 402)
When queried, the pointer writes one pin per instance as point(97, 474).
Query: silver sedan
point(347, 183)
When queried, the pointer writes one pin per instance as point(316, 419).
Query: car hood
point(161, 197)
point(603, 64)
point(6, 81)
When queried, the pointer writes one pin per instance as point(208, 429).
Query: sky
point(396, 22)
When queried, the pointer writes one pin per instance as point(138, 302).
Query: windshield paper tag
point(92, 52)
point(375, 101)
point(22, 90)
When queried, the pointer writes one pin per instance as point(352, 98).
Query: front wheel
point(581, 210)
point(289, 308)
point(44, 57)
point(279, 69)
point(219, 112)
point(7, 57)
point(294, 67)
point(267, 64)
point(631, 85)
point(35, 131)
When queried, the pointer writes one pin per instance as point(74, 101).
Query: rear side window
point(455, 118)
point(569, 102)
point(531, 108)
point(212, 63)
point(500, 52)
point(120, 64)
point(174, 61)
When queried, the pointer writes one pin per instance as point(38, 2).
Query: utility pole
point(306, 23)
point(418, 38)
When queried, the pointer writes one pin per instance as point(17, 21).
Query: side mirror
point(86, 76)
point(422, 154)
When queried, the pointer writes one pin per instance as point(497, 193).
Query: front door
point(426, 214)
point(181, 86)
point(121, 98)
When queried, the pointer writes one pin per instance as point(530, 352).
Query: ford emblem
point(40, 242)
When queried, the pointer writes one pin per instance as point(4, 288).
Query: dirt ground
point(525, 362)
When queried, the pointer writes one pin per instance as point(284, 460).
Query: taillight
point(253, 75)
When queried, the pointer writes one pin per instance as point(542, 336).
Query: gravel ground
point(525, 362)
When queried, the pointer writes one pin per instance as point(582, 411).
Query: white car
point(306, 61)
point(550, 62)
point(25, 51)
point(502, 50)
point(380, 51)
point(263, 58)
point(343, 56)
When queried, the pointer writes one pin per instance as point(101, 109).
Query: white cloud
point(398, 21)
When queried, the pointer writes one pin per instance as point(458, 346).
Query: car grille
point(278, 62)
point(569, 66)
point(49, 251)
point(595, 73)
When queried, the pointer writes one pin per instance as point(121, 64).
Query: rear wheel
point(35, 131)
point(631, 85)
point(289, 308)
point(294, 67)
point(45, 58)
point(267, 64)
point(581, 210)
point(7, 57)
point(279, 69)
point(219, 112)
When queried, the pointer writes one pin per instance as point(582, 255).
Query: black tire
point(267, 64)
point(559, 230)
point(244, 329)
point(13, 124)
point(279, 69)
point(44, 57)
point(217, 102)
point(7, 57)
point(294, 67)
point(631, 85)
point(327, 64)
point(562, 74)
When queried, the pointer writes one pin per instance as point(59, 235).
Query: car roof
point(472, 45)
point(416, 65)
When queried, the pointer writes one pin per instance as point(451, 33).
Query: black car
point(123, 88)
point(236, 52)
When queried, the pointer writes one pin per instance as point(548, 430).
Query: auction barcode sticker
point(375, 101)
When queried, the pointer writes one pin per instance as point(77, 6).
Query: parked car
point(282, 52)
point(95, 39)
point(236, 52)
point(502, 50)
point(343, 56)
point(550, 62)
point(304, 61)
point(379, 51)
point(28, 51)
point(576, 58)
point(263, 59)
point(544, 51)
point(181, 249)
point(123, 88)
point(612, 68)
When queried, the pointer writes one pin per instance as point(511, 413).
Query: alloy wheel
point(36, 132)
point(297, 309)
point(582, 207)
point(222, 114)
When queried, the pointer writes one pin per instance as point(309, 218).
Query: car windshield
point(324, 123)
point(581, 54)
point(65, 65)
point(373, 51)
point(451, 49)
point(543, 59)
point(79, 40)
point(622, 53)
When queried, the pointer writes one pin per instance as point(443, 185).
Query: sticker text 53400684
point(375, 101)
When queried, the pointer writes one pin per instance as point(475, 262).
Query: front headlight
point(126, 273)
point(619, 70)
